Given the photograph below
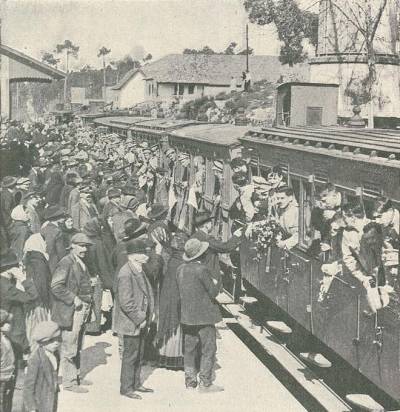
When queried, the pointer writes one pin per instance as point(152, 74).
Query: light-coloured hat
point(194, 248)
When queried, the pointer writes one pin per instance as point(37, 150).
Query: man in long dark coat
point(199, 314)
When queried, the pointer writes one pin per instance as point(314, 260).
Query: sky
point(159, 27)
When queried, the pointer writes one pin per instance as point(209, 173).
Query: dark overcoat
point(50, 233)
point(197, 295)
point(38, 280)
point(65, 286)
point(100, 253)
point(215, 247)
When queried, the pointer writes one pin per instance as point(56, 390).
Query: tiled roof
point(31, 62)
point(215, 69)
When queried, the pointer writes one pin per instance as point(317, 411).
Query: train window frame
point(208, 195)
point(306, 203)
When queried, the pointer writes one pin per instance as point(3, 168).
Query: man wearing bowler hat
point(199, 314)
point(72, 290)
point(134, 306)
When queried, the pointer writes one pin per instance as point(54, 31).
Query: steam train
point(362, 164)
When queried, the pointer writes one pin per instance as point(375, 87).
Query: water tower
point(341, 57)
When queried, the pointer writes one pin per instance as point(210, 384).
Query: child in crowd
point(41, 385)
point(7, 363)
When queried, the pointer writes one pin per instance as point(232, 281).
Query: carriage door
point(296, 288)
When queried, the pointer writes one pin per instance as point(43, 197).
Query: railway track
point(315, 389)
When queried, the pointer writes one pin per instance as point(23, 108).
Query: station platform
point(249, 386)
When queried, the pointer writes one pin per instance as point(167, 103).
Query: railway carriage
point(209, 145)
point(362, 165)
point(118, 124)
point(156, 132)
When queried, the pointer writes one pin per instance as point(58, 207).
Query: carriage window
point(295, 183)
point(254, 170)
point(264, 172)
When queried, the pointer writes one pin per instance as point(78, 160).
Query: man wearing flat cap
point(72, 291)
point(134, 306)
point(199, 314)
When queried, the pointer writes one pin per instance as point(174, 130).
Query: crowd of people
point(89, 244)
point(93, 238)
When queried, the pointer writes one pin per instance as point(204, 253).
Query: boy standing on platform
point(41, 386)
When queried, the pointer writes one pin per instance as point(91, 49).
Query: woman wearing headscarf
point(20, 230)
point(37, 284)
point(169, 335)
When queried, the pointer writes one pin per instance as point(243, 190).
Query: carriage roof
point(162, 124)
point(123, 122)
point(377, 145)
point(216, 134)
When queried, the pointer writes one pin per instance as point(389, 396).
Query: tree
point(204, 50)
point(244, 51)
point(124, 65)
point(365, 21)
point(231, 48)
point(50, 59)
point(103, 53)
point(293, 25)
point(70, 50)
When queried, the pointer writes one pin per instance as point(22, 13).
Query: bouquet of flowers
point(264, 233)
